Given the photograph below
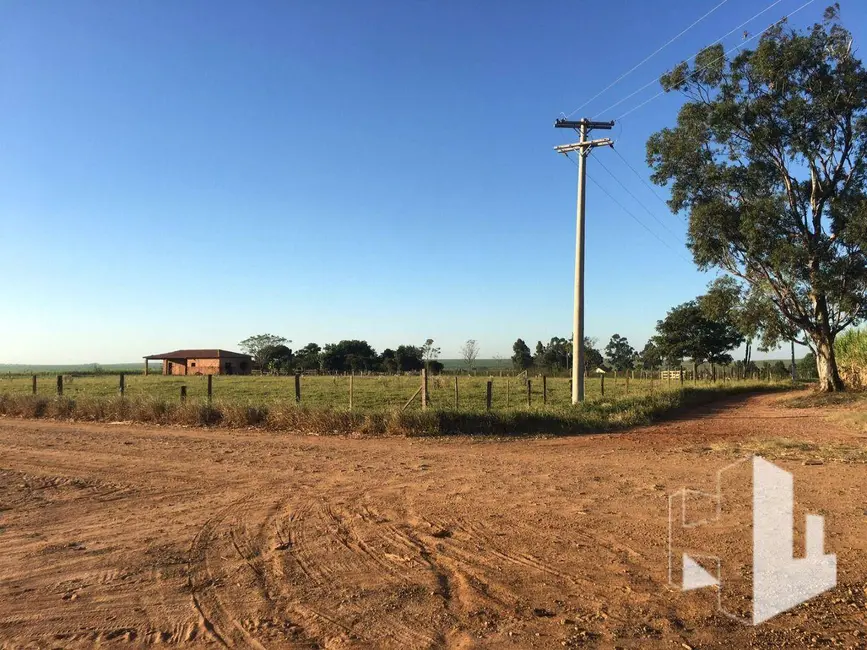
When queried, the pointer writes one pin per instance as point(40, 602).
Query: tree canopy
point(521, 357)
point(261, 346)
point(687, 332)
point(620, 353)
point(768, 159)
point(650, 357)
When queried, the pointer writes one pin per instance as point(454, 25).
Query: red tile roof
point(199, 354)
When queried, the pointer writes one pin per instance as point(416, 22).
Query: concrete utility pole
point(794, 372)
point(583, 148)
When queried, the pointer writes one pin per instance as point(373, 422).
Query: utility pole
point(794, 372)
point(583, 148)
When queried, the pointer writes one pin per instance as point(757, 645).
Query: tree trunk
point(826, 366)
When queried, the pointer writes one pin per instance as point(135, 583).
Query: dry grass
point(795, 450)
point(594, 416)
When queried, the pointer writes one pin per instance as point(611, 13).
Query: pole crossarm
point(577, 124)
point(584, 146)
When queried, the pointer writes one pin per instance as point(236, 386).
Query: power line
point(641, 178)
point(636, 219)
point(737, 47)
point(645, 60)
point(641, 223)
point(722, 38)
point(637, 200)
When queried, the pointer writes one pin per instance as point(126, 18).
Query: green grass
point(851, 350)
point(268, 403)
point(369, 392)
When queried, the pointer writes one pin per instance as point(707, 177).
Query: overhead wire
point(630, 214)
point(640, 177)
point(639, 201)
point(646, 59)
point(722, 38)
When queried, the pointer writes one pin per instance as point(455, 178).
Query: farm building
point(202, 362)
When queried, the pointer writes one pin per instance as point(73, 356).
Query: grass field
point(369, 392)
point(269, 403)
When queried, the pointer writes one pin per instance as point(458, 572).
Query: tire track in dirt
point(204, 582)
point(343, 560)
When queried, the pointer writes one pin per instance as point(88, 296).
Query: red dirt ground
point(131, 536)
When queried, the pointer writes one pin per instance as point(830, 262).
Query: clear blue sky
point(185, 174)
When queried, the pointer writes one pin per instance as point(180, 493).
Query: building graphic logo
point(757, 575)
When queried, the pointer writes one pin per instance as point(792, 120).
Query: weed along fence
point(416, 392)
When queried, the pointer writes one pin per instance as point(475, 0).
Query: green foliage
point(650, 357)
point(806, 366)
point(308, 357)
point(408, 358)
point(780, 369)
point(851, 349)
point(555, 355)
point(768, 158)
point(593, 358)
point(521, 357)
point(609, 414)
point(620, 353)
point(260, 345)
point(277, 359)
point(429, 353)
point(687, 332)
point(349, 356)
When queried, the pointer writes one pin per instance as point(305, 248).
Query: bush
point(851, 351)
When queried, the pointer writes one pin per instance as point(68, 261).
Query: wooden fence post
point(508, 393)
point(602, 383)
point(681, 377)
point(424, 396)
point(59, 385)
point(627, 383)
point(34, 384)
point(457, 400)
point(210, 387)
point(183, 394)
point(489, 389)
point(544, 389)
point(122, 385)
point(298, 387)
point(529, 392)
point(350, 390)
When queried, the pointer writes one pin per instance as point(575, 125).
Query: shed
point(202, 362)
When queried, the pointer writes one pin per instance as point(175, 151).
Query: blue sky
point(186, 174)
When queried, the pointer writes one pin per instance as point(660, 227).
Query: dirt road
point(128, 536)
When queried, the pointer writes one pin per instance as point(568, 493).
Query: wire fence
point(370, 391)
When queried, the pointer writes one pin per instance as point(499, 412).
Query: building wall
point(207, 366)
point(173, 368)
point(203, 366)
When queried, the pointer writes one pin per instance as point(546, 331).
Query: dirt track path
point(120, 535)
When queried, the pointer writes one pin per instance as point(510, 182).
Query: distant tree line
point(703, 330)
point(272, 354)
